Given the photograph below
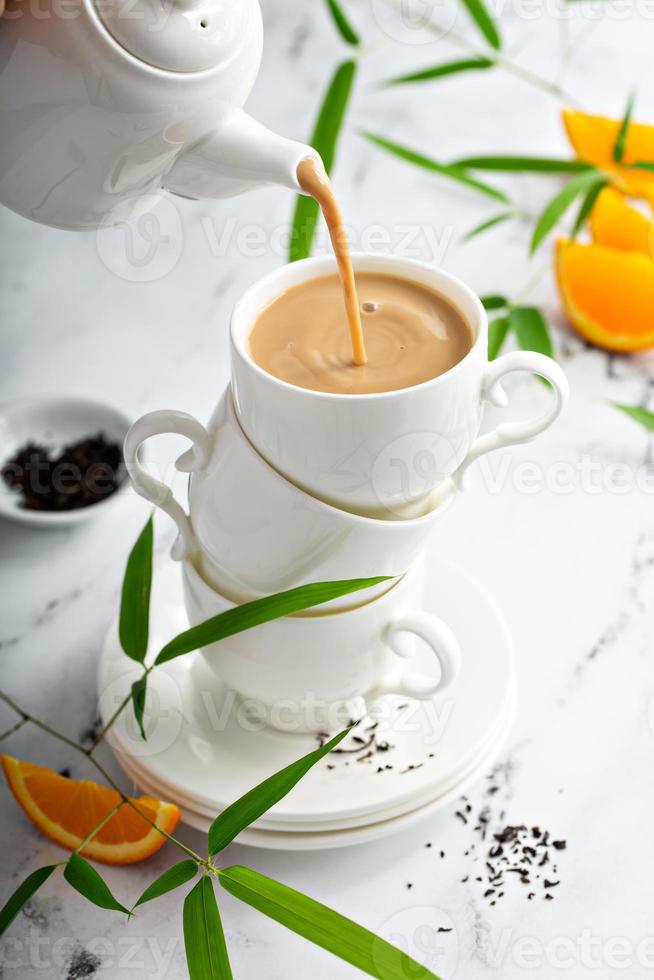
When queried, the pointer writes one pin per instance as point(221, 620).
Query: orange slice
point(616, 224)
point(607, 294)
point(67, 810)
point(593, 138)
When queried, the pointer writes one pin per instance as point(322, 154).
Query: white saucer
point(320, 840)
point(199, 755)
point(165, 790)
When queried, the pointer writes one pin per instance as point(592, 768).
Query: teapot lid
point(180, 35)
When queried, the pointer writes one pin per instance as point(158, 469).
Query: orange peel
point(67, 810)
point(607, 294)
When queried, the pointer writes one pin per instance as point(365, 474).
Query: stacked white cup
point(290, 486)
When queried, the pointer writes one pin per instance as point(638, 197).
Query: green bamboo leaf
point(498, 219)
point(323, 139)
point(587, 205)
point(259, 611)
point(259, 800)
point(135, 600)
point(484, 22)
point(453, 171)
point(494, 302)
point(497, 331)
point(172, 878)
point(23, 893)
point(521, 164)
point(303, 228)
point(321, 925)
point(343, 25)
point(638, 414)
point(530, 329)
point(439, 71)
point(85, 879)
point(643, 165)
point(139, 689)
point(560, 203)
point(621, 136)
point(204, 939)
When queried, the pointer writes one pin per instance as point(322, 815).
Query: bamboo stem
point(103, 772)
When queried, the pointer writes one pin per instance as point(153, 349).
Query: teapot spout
point(239, 156)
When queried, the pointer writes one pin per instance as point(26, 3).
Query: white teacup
point(313, 673)
point(254, 533)
point(368, 452)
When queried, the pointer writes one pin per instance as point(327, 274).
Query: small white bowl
point(55, 422)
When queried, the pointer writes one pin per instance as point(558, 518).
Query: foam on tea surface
point(411, 332)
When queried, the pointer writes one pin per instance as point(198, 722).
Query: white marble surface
point(573, 571)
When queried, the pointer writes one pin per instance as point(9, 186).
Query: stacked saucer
point(403, 761)
point(296, 489)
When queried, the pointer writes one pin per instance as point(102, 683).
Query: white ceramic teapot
point(105, 103)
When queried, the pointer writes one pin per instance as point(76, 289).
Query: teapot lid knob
point(182, 35)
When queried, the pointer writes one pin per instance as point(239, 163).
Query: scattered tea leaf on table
point(484, 22)
point(453, 171)
point(204, 939)
point(133, 625)
point(497, 332)
point(498, 219)
point(323, 139)
point(23, 893)
point(494, 302)
point(522, 164)
point(560, 203)
point(638, 414)
point(85, 879)
point(343, 25)
point(621, 136)
point(172, 878)
point(259, 800)
point(321, 925)
point(440, 71)
point(139, 689)
point(259, 611)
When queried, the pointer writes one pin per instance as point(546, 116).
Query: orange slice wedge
point(608, 295)
point(593, 138)
point(616, 224)
point(67, 810)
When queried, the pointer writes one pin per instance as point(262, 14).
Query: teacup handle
point(513, 433)
point(195, 458)
point(444, 645)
